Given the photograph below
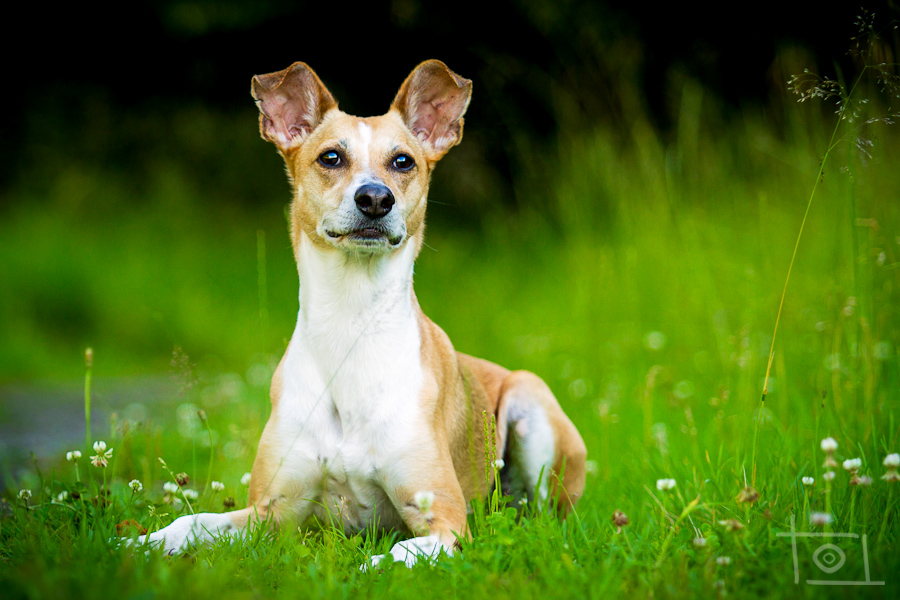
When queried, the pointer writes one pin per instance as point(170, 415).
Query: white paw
point(411, 550)
point(186, 531)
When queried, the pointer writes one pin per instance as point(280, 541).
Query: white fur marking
point(365, 132)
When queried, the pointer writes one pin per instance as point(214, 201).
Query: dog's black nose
point(374, 200)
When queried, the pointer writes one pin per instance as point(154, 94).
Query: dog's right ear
point(291, 104)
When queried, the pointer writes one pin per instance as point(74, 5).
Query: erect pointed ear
point(291, 104)
point(432, 102)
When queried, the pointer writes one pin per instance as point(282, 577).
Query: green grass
point(641, 280)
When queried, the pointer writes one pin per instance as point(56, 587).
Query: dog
point(376, 421)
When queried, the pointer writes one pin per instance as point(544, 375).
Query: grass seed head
point(748, 495)
point(620, 520)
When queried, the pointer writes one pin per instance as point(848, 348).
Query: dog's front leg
point(428, 497)
point(188, 530)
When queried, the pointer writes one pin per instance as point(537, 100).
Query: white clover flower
point(820, 518)
point(499, 464)
point(864, 481)
point(170, 487)
point(699, 542)
point(101, 459)
point(829, 445)
point(523, 501)
point(424, 500)
point(723, 561)
point(245, 480)
point(190, 494)
point(828, 476)
point(73, 455)
point(853, 464)
point(892, 461)
point(62, 496)
point(664, 485)
point(25, 495)
point(808, 481)
point(216, 486)
point(135, 485)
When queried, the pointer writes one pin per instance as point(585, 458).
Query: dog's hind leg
point(542, 450)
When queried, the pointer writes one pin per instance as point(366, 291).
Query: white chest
point(351, 384)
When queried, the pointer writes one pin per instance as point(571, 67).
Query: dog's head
point(360, 184)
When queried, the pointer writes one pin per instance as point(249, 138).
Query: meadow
point(640, 276)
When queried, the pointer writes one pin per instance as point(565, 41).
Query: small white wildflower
point(499, 464)
point(424, 500)
point(829, 445)
point(808, 481)
point(245, 480)
point(135, 485)
point(852, 464)
point(828, 476)
point(590, 467)
point(62, 496)
point(664, 485)
point(73, 455)
point(723, 561)
point(699, 541)
point(820, 518)
point(190, 494)
point(523, 501)
point(25, 495)
point(217, 486)
point(170, 487)
point(864, 481)
point(892, 461)
point(101, 459)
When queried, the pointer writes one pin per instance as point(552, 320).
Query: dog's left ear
point(432, 102)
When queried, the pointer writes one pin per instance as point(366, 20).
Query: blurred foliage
point(134, 182)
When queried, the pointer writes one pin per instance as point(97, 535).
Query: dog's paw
point(409, 552)
point(184, 532)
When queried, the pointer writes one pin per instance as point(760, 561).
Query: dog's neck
point(341, 290)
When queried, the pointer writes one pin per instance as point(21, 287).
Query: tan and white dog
point(371, 404)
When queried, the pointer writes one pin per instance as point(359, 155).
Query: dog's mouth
point(366, 236)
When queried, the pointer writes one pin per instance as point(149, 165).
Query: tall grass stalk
point(88, 364)
point(832, 143)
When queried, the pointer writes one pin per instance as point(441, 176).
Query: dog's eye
point(330, 159)
point(403, 162)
